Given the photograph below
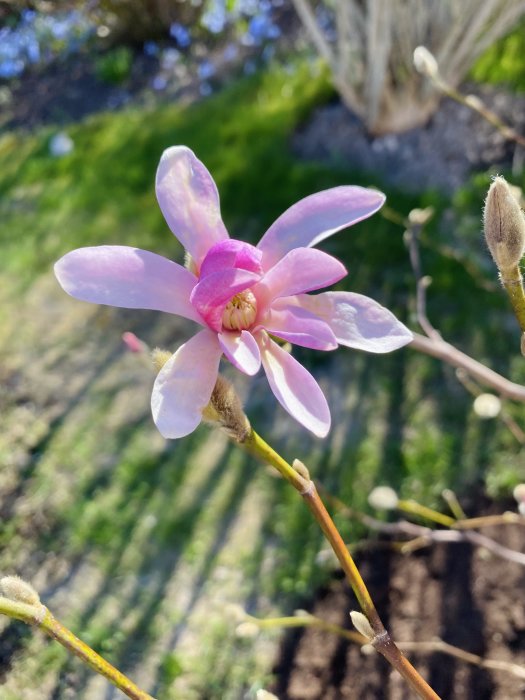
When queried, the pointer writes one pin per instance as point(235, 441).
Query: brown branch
point(437, 347)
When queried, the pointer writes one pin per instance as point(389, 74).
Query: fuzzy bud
point(504, 225)
point(487, 406)
point(519, 493)
point(362, 625)
point(225, 408)
point(383, 498)
point(247, 630)
point(16, 589)
point(425, 62)
point(265, 695)
point(420, 217)
point(301, 469)
point(159, 358)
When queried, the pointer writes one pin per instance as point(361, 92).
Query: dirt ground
point(461, 594)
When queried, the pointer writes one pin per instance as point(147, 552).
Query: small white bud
point(15, 588)
point(265, 695)
point(519, 493)
point(301, 469)
point(425, 62)
point(419, 217)
point(360, 622)
point(383, 498)
point(246, 630)
point(487, 406)
point(236, 612)
point(368, 650)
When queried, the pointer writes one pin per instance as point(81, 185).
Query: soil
point(440, 155)
point(455, 592)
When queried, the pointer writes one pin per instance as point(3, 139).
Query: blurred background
point(142, 546)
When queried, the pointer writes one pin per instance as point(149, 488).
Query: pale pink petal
point(189, 200)
point(212, 293)
point(294, 387)
point(184, 385)
point(316, 217)
point(127, 277)
point(357, 321)
point(231, 253)
point(301, 270)
point(241, 350)
point(298, 326)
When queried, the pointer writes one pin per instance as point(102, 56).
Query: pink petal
point(358, 321)
point(294, 387)
point(241, 350)
point(300, 327)
point(316, 217)
point(231, 253)
point(301, 270)
point(212, 293)
point(189, 200)
point(127, 277)
point(184, 385)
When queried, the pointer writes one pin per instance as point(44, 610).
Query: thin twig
point(437, 347)
point(424, 647)
point(299, 478)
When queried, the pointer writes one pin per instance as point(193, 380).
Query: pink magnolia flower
point(241, 295)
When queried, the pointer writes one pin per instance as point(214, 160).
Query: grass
point(140, 544)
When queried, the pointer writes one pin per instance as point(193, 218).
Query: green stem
point(306, 488)
point(513, 283)
point(39, 616)
point(410, 506)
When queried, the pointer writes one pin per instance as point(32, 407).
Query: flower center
point(240, 311)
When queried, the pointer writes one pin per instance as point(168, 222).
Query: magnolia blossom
point(242, 296)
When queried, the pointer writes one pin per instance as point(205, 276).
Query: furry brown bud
point(504, 226)
point(225, 408)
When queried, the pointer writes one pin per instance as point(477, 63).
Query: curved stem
point(40, 616)
point(301, 481)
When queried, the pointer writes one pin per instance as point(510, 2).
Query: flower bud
point(159, 358)
point(487, 406)
point(246, 630)
point(425, 62)
point(225, 408)
point(133, 343)
point(383, 498)
point(519, 493)
point(504, 225)
point(265, 695)
point(16, 589)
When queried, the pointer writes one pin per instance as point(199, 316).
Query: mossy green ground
point(141, 545)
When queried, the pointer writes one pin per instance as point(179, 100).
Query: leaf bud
point(362, 625)
point(383, 498)
point(16, 589)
